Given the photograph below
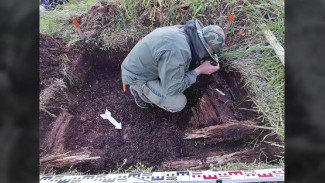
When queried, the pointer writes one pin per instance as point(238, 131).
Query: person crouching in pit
point(167, 61)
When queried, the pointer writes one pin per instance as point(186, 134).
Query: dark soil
point(51, 52)
point(50, 49)
point(150, 136)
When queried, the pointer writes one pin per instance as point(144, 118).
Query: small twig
point(270, 134)
point(44, 110)
point(274, 144)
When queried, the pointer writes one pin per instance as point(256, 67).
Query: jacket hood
point(198, 51)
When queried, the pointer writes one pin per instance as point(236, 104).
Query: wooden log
point(232, 131)
point(196, 117)
point(204, 163)
point(209, 111)
point(223, 106)
point(54, 142)
point(65, 159)
point(204, 113)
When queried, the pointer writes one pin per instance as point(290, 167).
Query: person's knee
point(178, 104)
point(182, 102)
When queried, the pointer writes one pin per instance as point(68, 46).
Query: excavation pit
point(151, 136)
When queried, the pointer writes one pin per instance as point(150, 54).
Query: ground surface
point(151, 136)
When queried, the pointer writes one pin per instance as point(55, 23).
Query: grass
point(52, 22)
point(65, 69)
point(72, 171)
point(59, 21)
point(138, 167)
point(262, 71)
point(244, 166)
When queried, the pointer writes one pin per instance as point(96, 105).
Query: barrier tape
point(264, 175)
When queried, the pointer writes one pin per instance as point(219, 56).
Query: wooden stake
point(271, 39)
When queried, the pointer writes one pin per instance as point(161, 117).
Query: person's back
point(142, 62)
point(157, 68)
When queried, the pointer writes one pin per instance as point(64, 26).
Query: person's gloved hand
point(206, 68)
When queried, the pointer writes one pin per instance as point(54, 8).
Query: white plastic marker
point(108, 115)
point(220, 91)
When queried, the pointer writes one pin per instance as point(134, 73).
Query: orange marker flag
point(76, 24)
point(124, 87)
point(231, 17)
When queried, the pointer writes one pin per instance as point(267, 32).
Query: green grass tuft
point(244, 166)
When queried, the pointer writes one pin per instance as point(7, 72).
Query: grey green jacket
point(163, 54)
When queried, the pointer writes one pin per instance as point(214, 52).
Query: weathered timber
point(231, 131)
point(223, 105)
point(65, 159)
point(204, 163)
point(204, 113)
point(55, 140)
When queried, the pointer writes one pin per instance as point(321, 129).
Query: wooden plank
point(70, 158)
point(271, 39)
